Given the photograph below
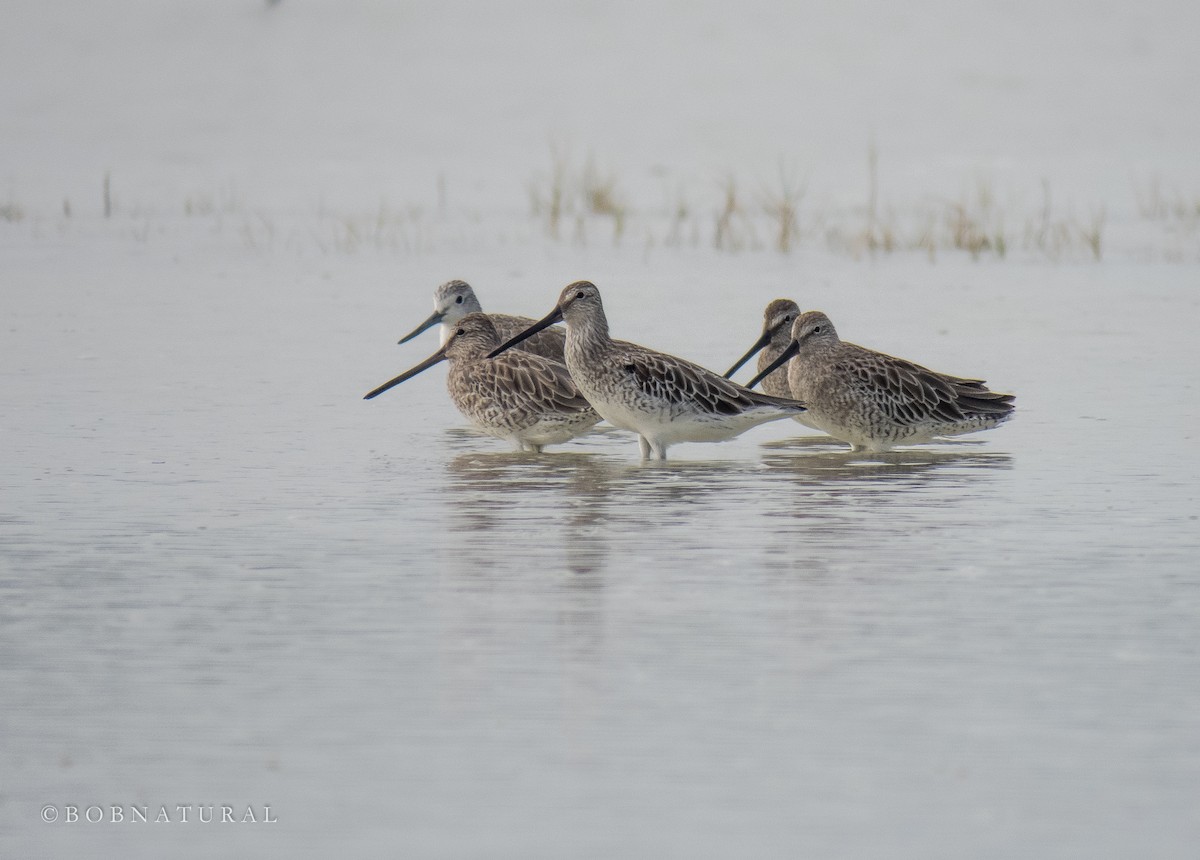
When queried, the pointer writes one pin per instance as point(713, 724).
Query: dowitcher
point(875, 401)
point(776, 335)
point(453, 300)
point(662, 398)
point(519, 396)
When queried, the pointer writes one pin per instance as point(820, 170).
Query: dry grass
point(1154, 204)
point(12, 212)
point(975, 223)
point(548, 200)
point(680, 216)
point(782, 208)
point(972, 223)
point(225, 201)
point(578, 194)
point(579, 202)
point(878, 234)
point(734, 230)
point(1056, 235)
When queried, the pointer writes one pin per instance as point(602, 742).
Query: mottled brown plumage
point(525, 398)
point(662, 398)
point(876, 401)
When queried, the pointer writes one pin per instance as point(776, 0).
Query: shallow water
point(227, 580)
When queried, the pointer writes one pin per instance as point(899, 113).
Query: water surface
point(226, 579)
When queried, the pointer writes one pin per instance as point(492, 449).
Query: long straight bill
point(784, 356)
point(545, 322)
point(438, 356)
point(758, 344)
point(434, 319)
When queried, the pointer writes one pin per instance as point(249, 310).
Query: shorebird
point(875, 401)
point(776, 335)
point(519, 396)
point(453, 300)
point(662, 398)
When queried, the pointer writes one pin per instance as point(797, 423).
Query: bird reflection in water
point(823, 459)
point(924, 505)
point(502, 500)
point(534, 533)
point(572, 511)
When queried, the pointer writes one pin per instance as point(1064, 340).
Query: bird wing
point(912, 394)
point(548, 343)
point(537, 381)
point(674, 380)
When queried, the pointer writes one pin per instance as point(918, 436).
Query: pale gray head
point(452, 301)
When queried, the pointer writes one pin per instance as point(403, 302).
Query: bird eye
point(579, 295)
point(816, 329)
point(461, 331)
point(458, 301)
